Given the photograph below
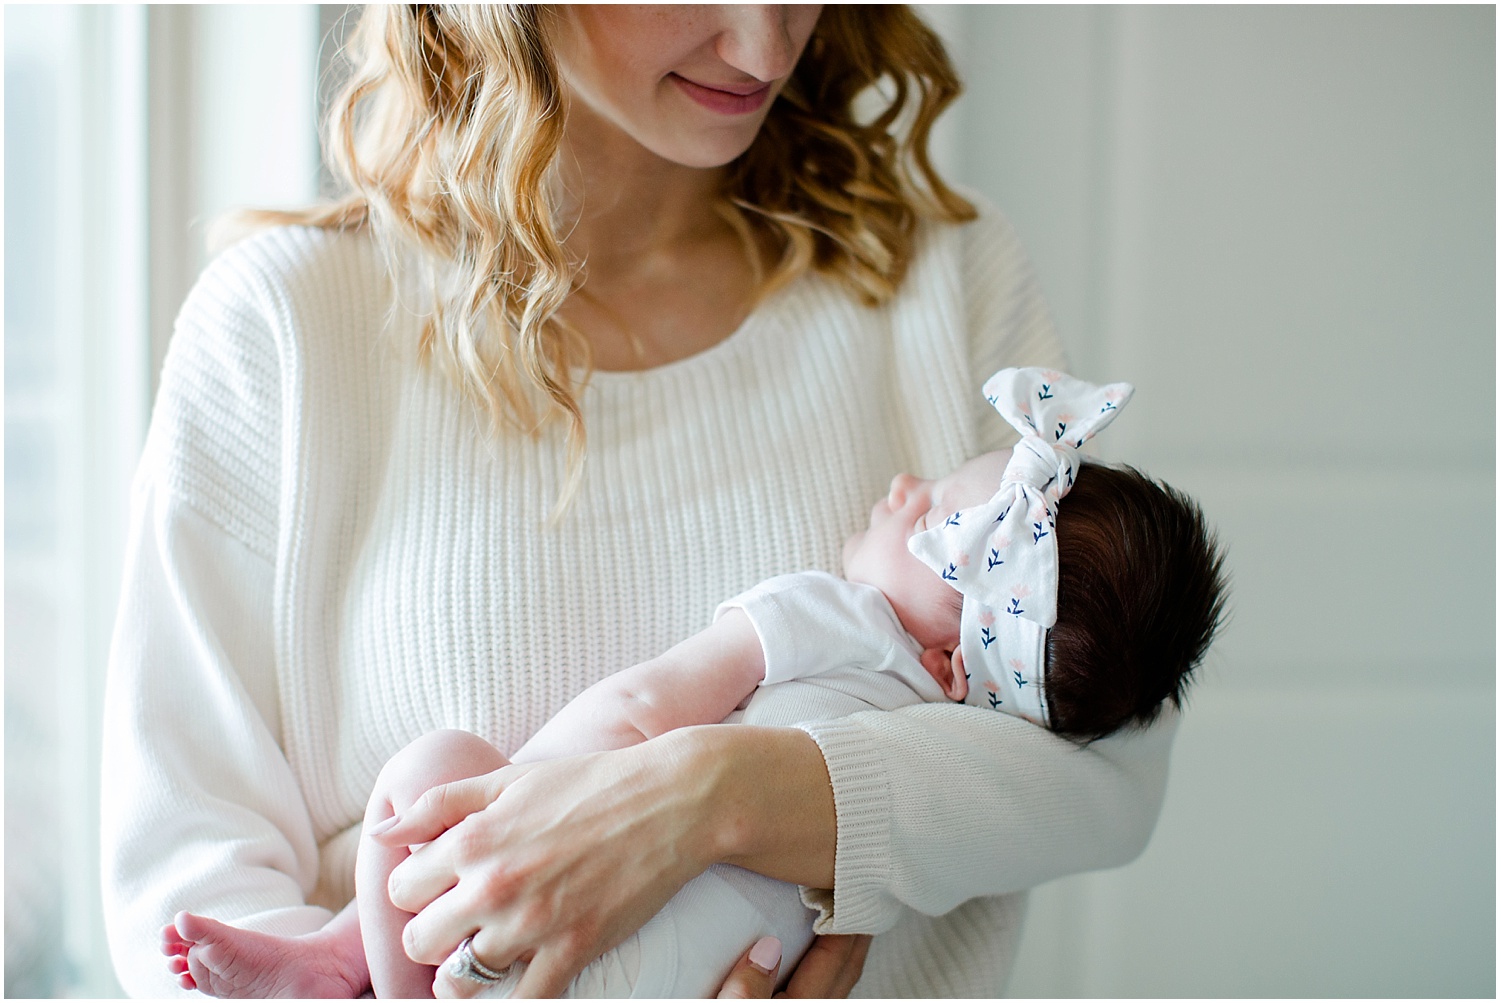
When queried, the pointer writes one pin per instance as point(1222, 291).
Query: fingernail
point(766, 954)
point(385, 826)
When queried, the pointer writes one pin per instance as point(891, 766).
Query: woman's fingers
point(571, 857)
point(830, 967)
point(420, 879)
point(441, 808)
point(450, 984)
point(431, 936)
point(549, 973)
point(753, 977)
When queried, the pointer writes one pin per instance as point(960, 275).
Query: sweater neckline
point(724, 349)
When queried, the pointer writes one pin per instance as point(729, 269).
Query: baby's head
point(1081, 595)
point(1141, 589)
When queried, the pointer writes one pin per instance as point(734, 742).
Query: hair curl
point(446, 132)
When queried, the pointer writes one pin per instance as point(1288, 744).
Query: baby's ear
point(947, 667)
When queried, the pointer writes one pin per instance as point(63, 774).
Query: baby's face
point(926, 604)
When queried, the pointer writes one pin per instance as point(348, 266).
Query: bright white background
point(1277, 222)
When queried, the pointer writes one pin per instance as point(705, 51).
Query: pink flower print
point(991, 686)
point(1018, 592)
point(986, 618)
point(1051, 375)
point(962, 560)
point(1018, 665)
point(1065, 418)
point(995, 700)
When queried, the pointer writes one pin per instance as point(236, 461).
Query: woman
point(617, 290)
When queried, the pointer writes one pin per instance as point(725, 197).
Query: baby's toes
point(171, 940)
point(192, 928)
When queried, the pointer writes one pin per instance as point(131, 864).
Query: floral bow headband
point(1002, 555)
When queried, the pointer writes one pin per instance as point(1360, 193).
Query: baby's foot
point(228, 962)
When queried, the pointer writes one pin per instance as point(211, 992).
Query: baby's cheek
point(851, 547)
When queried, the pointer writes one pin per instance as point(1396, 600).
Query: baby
point(977, 587)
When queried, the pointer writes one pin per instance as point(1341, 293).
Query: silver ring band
point(464, 965)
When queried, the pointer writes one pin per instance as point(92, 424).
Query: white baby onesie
point(832, 648)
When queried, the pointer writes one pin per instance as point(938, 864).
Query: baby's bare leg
point(222, 960)
point(438, 758)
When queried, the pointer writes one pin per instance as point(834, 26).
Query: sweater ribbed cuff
point(860, 901)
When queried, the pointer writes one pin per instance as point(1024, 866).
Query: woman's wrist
point(765, 800)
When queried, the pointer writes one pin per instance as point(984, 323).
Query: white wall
point(1279, 224)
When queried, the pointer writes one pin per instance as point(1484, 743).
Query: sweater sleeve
point(200, 809)
point(937, 804)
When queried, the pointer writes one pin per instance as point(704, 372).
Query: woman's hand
point(556, 862)
point(828, 970)
point(551, 863)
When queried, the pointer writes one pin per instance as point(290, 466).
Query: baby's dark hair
point(1141, 592)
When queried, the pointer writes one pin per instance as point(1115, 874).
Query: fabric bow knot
point(1002, 555)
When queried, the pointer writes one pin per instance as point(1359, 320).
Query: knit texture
point(329, 558)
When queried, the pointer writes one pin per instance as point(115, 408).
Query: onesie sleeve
point(200, 808)
point(811, 622)
point(940, 803)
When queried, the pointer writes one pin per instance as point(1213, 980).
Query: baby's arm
point(696, 682)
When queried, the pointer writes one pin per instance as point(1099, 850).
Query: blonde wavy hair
point(446, 135)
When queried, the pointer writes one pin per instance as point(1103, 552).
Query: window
point(127, 129)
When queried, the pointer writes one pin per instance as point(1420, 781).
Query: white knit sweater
point(328, 559)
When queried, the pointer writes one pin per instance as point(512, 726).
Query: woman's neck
point(665, 275)
point(623, 206)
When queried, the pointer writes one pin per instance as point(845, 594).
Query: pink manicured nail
point(766, 954)
point(385, 826)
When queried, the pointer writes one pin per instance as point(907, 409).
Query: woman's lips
point(738, 99)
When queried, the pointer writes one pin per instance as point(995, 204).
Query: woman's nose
point(758, 40)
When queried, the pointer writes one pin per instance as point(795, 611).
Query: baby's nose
point(901, 487)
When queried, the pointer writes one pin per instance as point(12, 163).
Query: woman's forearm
point(769, 806)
